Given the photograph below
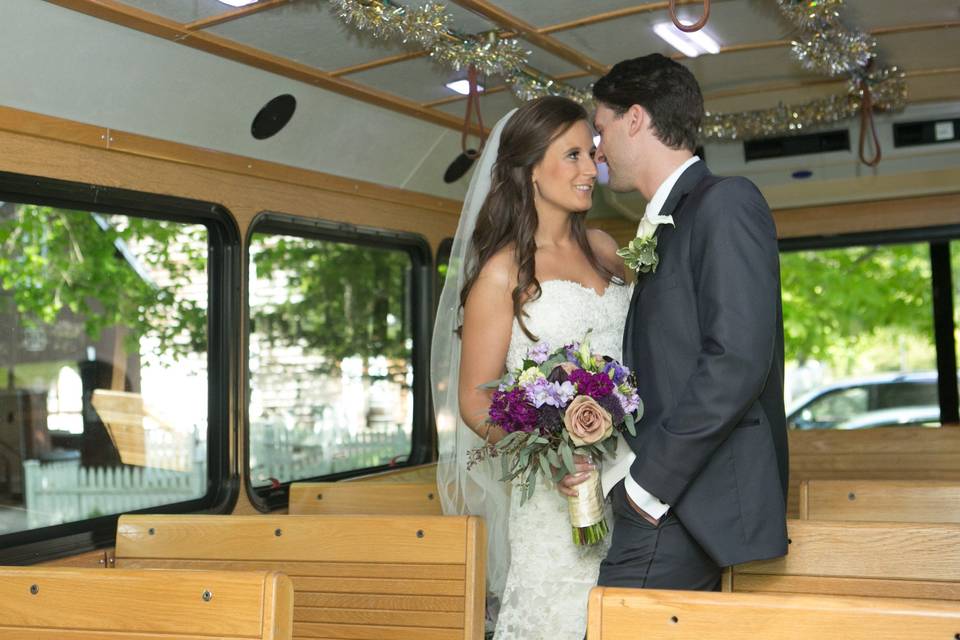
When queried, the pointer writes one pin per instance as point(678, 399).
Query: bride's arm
point(487, 325)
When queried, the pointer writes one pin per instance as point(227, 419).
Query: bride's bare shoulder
point(500, 271)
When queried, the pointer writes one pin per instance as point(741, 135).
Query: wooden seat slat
point(867, 550)
point(626, 614)
point(880, 501)
point(872, 587)
point(371, 632)
point(379, 586)
point(339, 563)
point(370, 601)
point(365, 539)
point(329, 569)
point(41, 602)
point(379, 616)
point(385, 498)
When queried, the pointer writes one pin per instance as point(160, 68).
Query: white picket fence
point(58, 492)
point(367, 449)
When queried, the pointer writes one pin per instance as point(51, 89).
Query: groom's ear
point(637, 119)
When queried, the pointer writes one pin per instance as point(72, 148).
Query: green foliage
point(839, 302)
point(52, 259)
point(339, 299)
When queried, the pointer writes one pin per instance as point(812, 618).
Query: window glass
point(331, 357)
point(859, 317)
point(104, 321)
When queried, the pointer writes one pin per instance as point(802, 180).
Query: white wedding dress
point(549, 579)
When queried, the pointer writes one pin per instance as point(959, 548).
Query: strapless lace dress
point(549, 579)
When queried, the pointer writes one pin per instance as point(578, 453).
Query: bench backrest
point(359, 577)
point(901, 453)
point(880, 500)
point(861, 558)
point(130, 424)
point(382, 498)
point(52, 603)
point(622, 614)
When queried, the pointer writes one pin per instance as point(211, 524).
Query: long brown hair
point(508, 214)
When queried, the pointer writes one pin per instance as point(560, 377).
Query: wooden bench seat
point(880, 500)
point(58, 603)
point(860, 558)
point(382, 498)
point(628, 614)
point(358, 577)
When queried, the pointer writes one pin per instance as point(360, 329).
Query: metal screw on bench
point(34, 589)
point(851, 496)
point(278, 532)
point(319, 496)
point(674, 619)
point(207, 595)
point(151, 531)
point(429, 496)
point(419, 533)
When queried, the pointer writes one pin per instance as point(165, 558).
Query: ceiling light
point(689, 44)
point(463, 87)
point(238, 3)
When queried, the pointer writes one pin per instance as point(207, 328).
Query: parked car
point(882, 400)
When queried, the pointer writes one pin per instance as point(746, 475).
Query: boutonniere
point(641, 254)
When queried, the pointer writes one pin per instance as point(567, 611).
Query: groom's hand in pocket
point(568, 484)
point(643, 514)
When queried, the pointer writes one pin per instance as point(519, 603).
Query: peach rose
point(586, 421)
point(568, 367)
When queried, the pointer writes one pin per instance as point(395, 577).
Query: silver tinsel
point(431, 26)
point(824, 44)
point(887, 90)
point(491, 57)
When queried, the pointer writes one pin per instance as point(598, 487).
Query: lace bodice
point(565, 311)
point(549, 579)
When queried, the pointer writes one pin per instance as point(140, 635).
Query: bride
point(523, 269)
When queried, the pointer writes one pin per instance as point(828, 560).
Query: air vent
point(914, 134)
point(796, 145)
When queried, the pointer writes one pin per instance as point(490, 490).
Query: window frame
point(942, 294)
point(266, 499)
point(223, 313)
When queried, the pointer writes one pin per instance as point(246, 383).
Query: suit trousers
point(645, 556)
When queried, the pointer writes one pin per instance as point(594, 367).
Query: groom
point(705, 486)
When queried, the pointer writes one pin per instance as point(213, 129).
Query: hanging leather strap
point(473, 102)
point(689, 28)
point(867, 121)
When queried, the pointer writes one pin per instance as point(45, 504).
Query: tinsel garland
point(824, 45)
point(887, 87)
point(431, 27)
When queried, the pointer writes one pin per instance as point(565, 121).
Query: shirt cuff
point(644, 499)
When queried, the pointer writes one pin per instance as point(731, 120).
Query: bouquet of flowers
point(558, 404)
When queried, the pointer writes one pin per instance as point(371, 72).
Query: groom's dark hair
point(664, 88)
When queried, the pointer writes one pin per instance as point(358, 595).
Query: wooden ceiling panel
point(547, 62)
point(420, 79)
point(542, 14)
point(871, 14)
point(731, 70)
point(921, 50)
point(308, 33)
point(181, 11)
point(493, 107)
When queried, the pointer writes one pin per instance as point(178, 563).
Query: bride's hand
point(568, 484)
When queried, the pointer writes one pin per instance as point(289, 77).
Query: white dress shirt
point(620, 467)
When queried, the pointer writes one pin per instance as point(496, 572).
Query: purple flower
point(539, 352)
point(612, 404)
point(619, 372)
point(630, 403)
point(549, 420)
point(510, 411)
point(571, 353)
point(540, 392)
point(595, 385)
point(565, 392)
